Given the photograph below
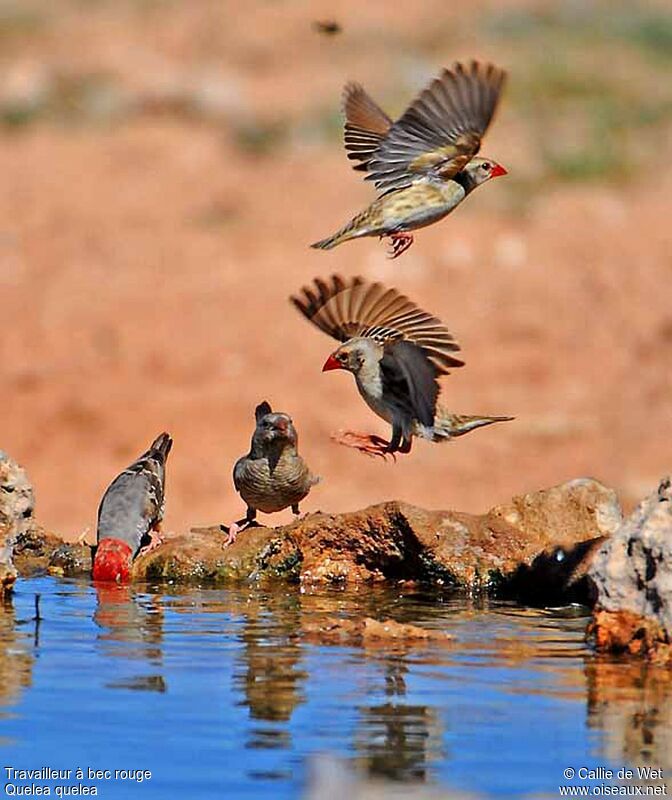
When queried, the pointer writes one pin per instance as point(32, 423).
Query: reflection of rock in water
point(125, 617)
point(631, 702)
point(267, 672)
point(143, 683)
point(16, 659)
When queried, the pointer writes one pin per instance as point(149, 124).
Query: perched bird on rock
point(423, 164)
point(272, 476)
point(130, 512)
point(397, 352)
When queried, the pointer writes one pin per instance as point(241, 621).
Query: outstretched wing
point(441, 131)
point(345, 309)
point(366, 124)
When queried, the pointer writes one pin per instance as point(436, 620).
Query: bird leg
point(236, 527)
point(297, 513)
point(81, 539)
point(367, 443)
point(155, 539)
point(400, 242)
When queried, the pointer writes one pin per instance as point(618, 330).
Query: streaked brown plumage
point(272, 476)
point(424, 164)
point(397, 352)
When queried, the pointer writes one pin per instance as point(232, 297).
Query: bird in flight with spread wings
point(396, 352)
point(426, 162)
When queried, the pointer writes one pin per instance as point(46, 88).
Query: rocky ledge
point(567, 543)
point(632, 573)
point(17, 503)
point(537, 547)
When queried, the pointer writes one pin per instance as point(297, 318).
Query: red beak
point(331, 363)
point(498, 170)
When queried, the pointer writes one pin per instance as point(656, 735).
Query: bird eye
point(487, 167)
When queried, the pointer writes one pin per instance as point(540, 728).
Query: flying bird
point(425, 163)
point(130, 513)
point(327, 27)
point(272, 476)
point(397, 352)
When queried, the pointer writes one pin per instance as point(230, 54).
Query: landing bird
point(130, 511)
point(272, 476)
point(423, 164)
point(396, 351)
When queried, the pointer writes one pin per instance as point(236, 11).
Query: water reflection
point(241, 675)
point(631, 703)
point(131, 628)
point(398, 741)
point(268, 671)
point(16, 656)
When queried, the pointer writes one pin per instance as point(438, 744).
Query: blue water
point(223, 693)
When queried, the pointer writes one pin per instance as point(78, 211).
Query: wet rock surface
point(395, 541)
point(71, 559)
point(35, 547)
point(17, 503)
point(632, 573)
point(538, 546)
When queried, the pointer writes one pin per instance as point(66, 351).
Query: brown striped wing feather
point(345, 309)
point(441, 131)
point(366, 124)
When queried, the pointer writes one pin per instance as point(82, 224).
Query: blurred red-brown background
point(166, 164)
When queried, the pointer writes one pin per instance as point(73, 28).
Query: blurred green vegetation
point(590, 88)
point(64, 98)
point(594, 83)
point(648, 28)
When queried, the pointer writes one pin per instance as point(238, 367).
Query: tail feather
point(351, 230)
point(161, 446)
point(448, 426)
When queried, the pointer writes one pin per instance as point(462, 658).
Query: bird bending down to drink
point(130, 512)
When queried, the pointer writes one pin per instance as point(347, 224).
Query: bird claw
point(83, 536)
point(400, 242)
point(367, 443)
point(156, 539)
point(234, 529)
